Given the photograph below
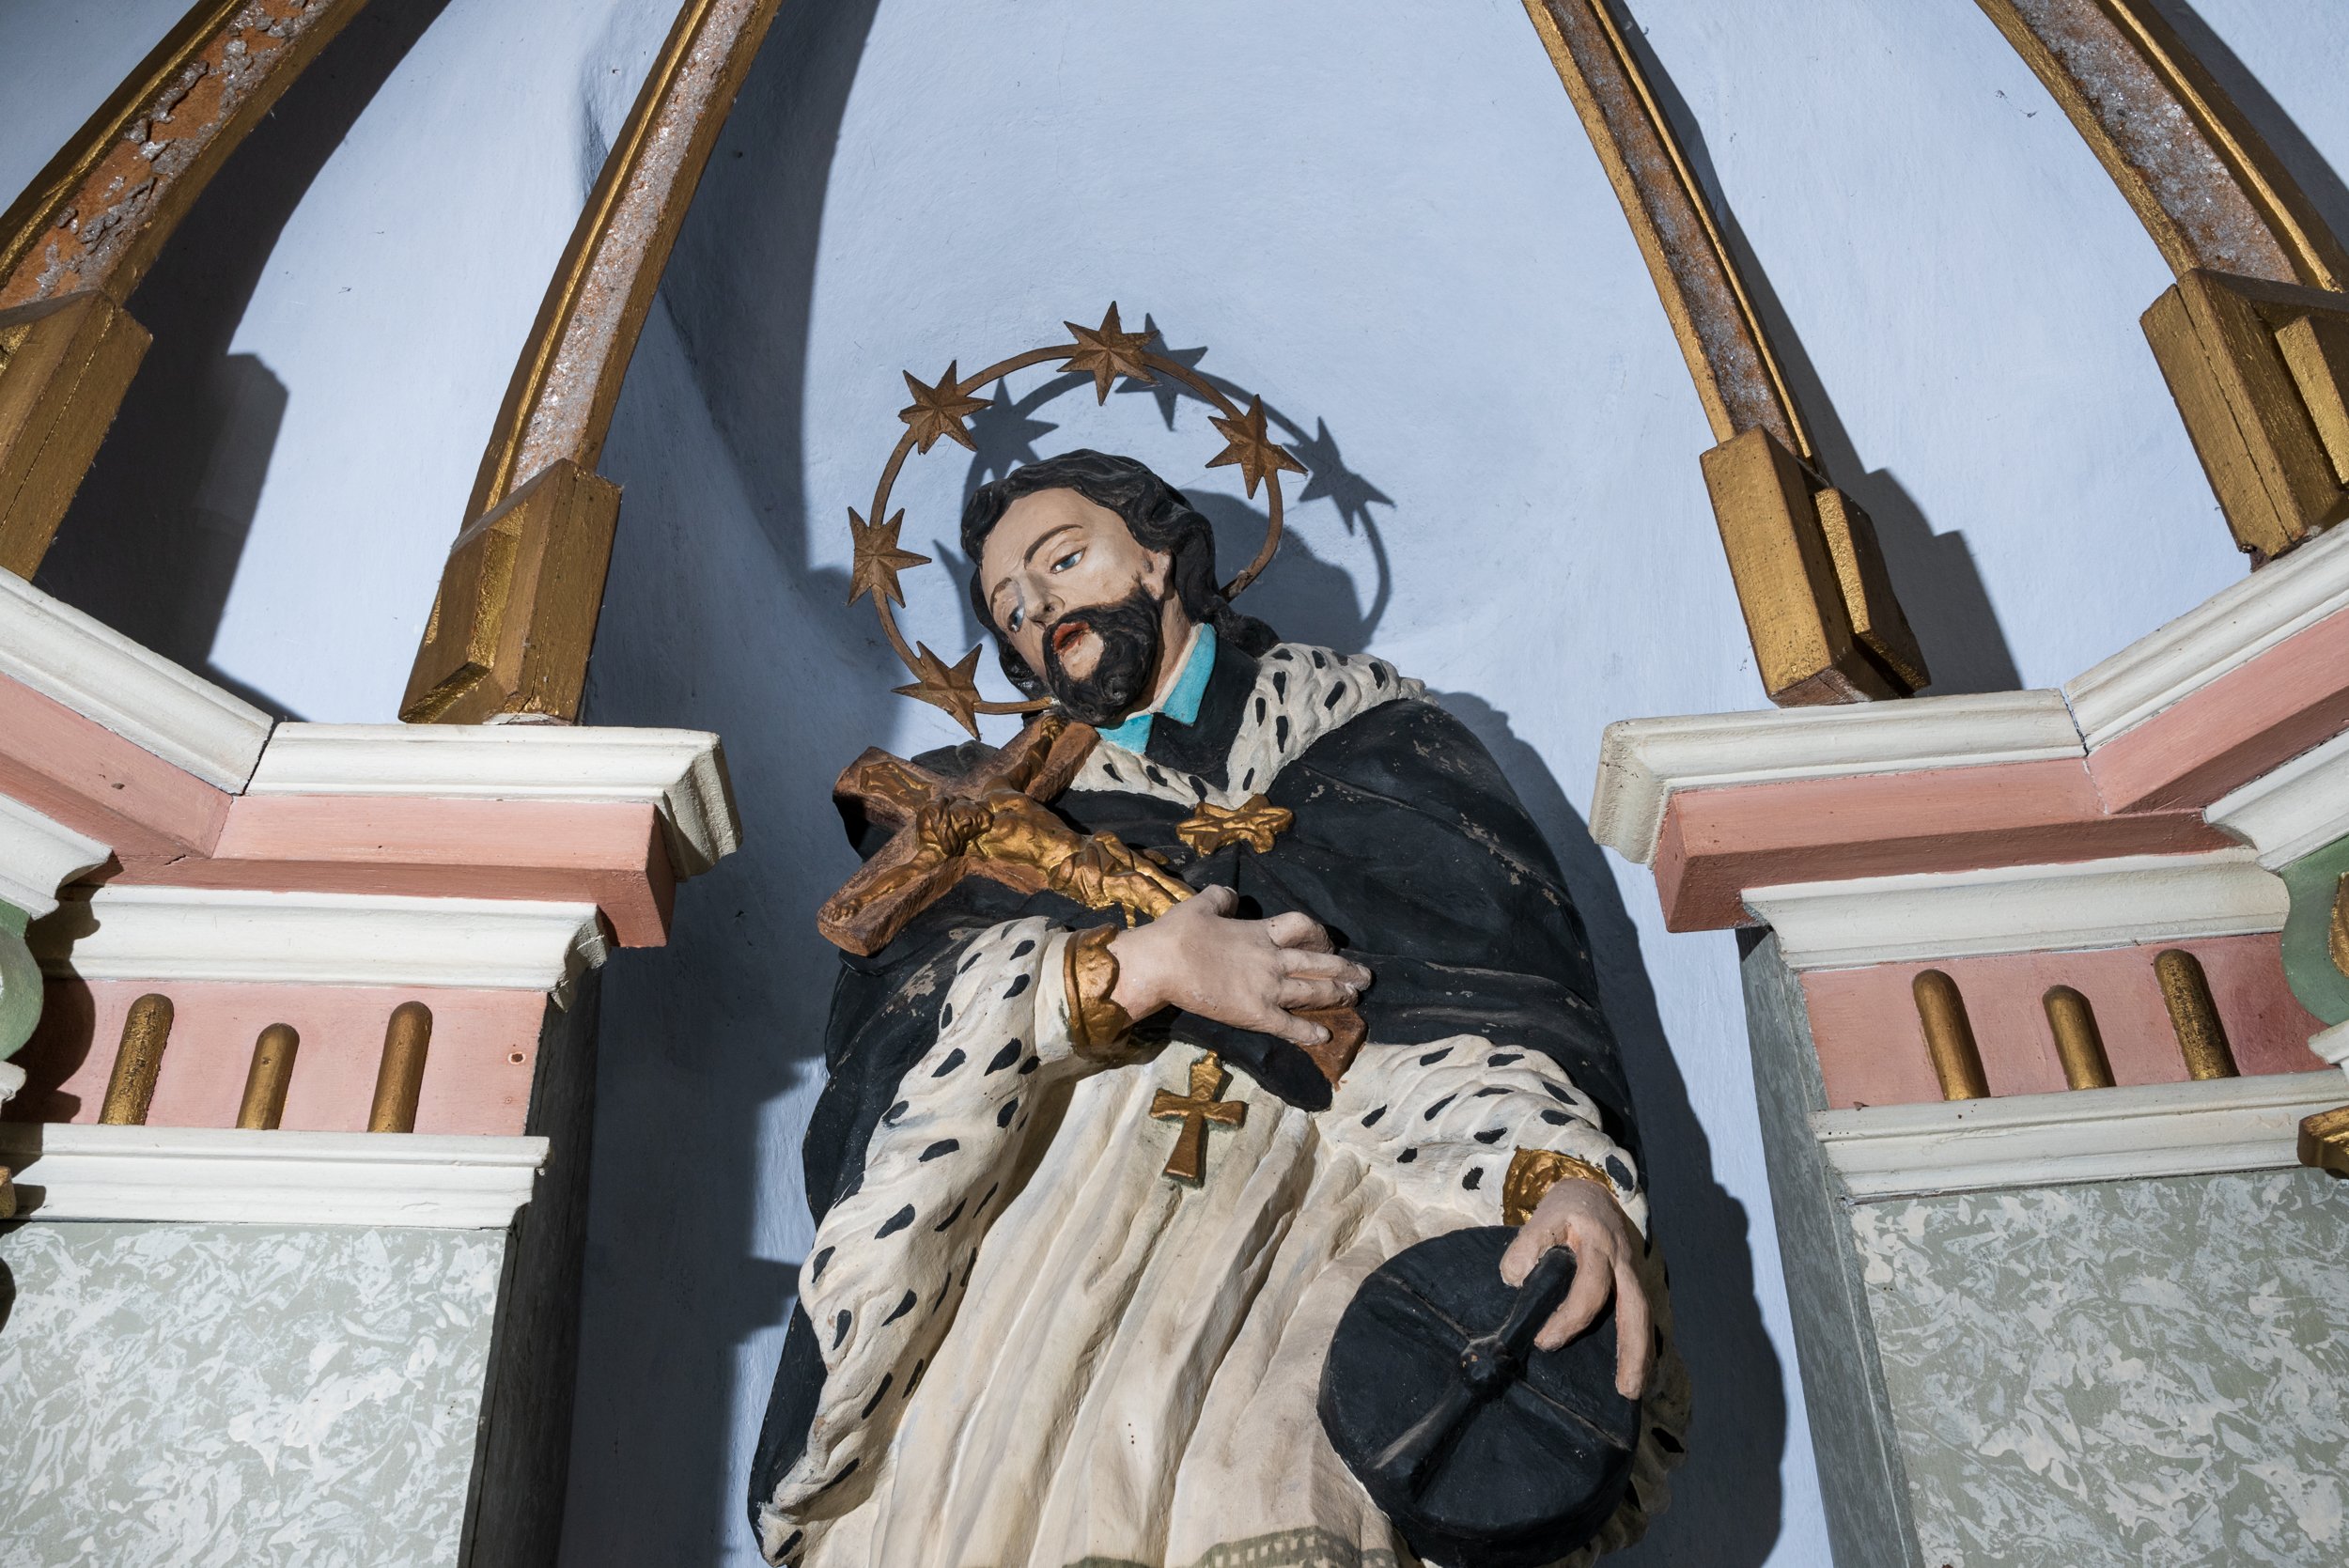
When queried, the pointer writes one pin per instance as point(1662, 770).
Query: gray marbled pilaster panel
point(2128, 1375)
point(238, 1395)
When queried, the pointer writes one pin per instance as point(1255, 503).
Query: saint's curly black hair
point(1154, 513)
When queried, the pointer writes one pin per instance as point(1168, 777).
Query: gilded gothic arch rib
point(76, 242)
point(2254, 337)
point(515, 618)
point(1818, 602)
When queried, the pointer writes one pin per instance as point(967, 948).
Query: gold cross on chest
point(1189, 1163)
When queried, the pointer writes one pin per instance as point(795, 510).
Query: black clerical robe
point(955, 1115)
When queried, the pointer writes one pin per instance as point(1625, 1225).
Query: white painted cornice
point(1642, 761)
point(223, 1175)
point(2021, 908)
point(2223, 633)
point(317, 938)
point(2083, 1135)
point(38, 855)
point(2292, 811)
point(682, 772)
point(137, 693)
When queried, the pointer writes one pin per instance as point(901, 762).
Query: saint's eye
point(1016, 619)
point(1068, 560)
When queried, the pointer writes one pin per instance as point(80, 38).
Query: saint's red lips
point(1066, 633)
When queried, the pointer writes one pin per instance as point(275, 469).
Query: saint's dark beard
point(1129, 634)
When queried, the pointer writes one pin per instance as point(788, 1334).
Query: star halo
point(939, 411)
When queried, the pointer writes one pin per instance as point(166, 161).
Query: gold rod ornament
point(130, 1087)
point(268, 1079)
point(1817, 599)
point(514, 621)
point(2079, 1045)
point(1949, 1037)
point(399, 1079)
point(2194, 1015)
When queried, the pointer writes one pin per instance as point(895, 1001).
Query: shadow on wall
point(716, 619)
point(1933, 574)
point(151, 542)
point(1726, 1506)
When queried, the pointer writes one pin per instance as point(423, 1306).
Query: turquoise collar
point(1182, 702)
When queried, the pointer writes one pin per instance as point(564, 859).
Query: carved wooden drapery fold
point(84, 233)
point(1818, 603)
point(2254, 338)
point(515, 618)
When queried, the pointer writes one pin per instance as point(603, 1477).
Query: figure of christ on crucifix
point(1240, 972)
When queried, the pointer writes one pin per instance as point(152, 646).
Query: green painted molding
point(2309, 967)
point(19, 982)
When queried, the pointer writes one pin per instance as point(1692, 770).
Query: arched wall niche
point(1400, 237)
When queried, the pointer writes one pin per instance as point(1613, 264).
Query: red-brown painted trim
point(2261, 713)
point(607, 853)
point(1715, 843)
point(79, 772)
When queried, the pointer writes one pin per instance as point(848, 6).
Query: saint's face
point(1053, 557)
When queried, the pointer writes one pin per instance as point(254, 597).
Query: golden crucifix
point(1189, 1163)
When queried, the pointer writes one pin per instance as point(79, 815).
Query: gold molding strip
point(2211, 193)
point(79, 238)
point(2194, 1015)
point(2254, 338)
point(130, 1087)
point(1818, 602)
point(503, 639)
point(2080, 1044)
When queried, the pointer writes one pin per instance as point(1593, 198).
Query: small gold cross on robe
point(1189, 1163)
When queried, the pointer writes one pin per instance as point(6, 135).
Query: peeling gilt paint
point(104, 215)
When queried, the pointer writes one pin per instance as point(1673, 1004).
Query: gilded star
point(939, 411)
point(1247, 445)
point(952, 686)
point(1105, 353)
point(1255, 822)
point(878, 558)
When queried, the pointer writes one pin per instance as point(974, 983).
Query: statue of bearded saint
point(1020, 1338)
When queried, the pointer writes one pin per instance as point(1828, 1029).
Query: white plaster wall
point(1385, 218)
point(58, 60)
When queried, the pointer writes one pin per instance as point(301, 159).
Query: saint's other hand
point(1248, 974)
point(1582, 1216)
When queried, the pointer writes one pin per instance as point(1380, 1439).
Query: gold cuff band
point(1533, 1172)
point(1096, 1025)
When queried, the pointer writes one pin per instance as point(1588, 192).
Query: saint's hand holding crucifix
point(1148, 1050)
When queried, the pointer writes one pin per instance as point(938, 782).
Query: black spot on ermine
point(1026, 946)
point(1429, 1114)
point(1019, 984)
point(1492, 1135)
point(1434, 1056)
point(896, 1223)
point(1011, 1108)
point(1372, 1120)
point(878, 1394)
point(903, 1307)
point(943, 1146)
point(1474, 1179)
point(816, 1265)
point(1004, 1057)
point(953, 1058)
point(952, 1217)
point(840, 1328)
